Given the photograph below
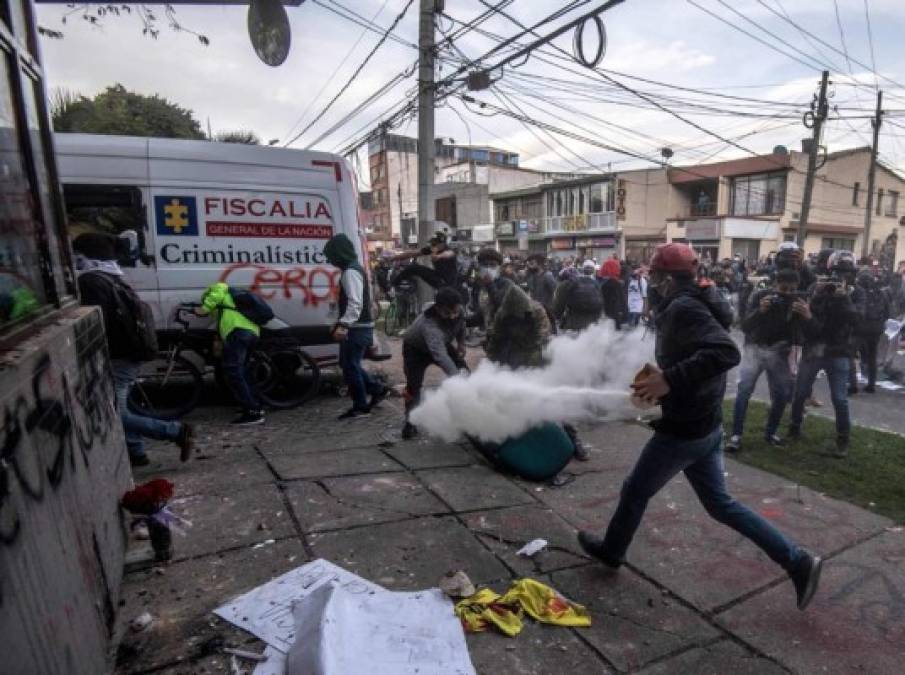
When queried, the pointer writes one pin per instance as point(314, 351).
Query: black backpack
point(587, 297)
point(876, 307)
point(135, 318)
point(251, 306)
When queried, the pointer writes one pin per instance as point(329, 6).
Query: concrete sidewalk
point(695, 598)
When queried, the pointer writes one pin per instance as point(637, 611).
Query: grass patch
point(872, 476)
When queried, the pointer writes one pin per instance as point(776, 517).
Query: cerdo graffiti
point(312, 285)
point(50, 422)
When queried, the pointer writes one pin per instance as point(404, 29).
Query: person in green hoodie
point(354, 331)
point(239, 335)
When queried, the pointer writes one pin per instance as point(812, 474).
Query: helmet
point(588, 267)
point(788, 255)
point(674, 258)
point(842, 261)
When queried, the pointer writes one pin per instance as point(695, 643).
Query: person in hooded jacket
point(877, 309)
point(613, 291)
point(694, 352)
point(354, 331)
point(578, 302)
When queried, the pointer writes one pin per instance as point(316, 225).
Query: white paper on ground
point(889, 385)
point(266, 611)
point(893, 328)
point(532, 547)
point(386, 633)
point(274, 665)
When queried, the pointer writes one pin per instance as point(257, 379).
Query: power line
point(354, 75)
point(870, 40)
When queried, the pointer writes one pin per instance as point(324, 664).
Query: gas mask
point(489, 273)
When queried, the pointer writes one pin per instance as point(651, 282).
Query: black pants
point(414, 364)
point(869, 344)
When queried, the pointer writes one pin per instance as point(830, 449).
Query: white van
point(254, 217)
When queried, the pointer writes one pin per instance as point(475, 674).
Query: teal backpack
point(538, 454)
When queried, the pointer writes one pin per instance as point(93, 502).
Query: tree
point(238, 136)
point(119, 112)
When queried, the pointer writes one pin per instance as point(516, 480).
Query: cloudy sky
point(669, 42)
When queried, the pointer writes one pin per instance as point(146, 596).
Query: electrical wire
point(870, 41)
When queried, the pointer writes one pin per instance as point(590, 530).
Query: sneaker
point(581, 453)
point(852, 390)
point(593, 546)
point(775, 441)
point(354, 414)
point(806, 577)
point(249, 418)
point(734, 444)
point(378, 398)
point(186, 441)
point(813, 403)
point(409, 431)
point(841, 451)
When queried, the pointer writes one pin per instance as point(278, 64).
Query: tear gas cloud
point(586, 375)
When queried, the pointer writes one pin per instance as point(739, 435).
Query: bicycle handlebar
point(181, 310)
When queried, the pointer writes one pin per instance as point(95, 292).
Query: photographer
point(829, 346)
point(771, 327)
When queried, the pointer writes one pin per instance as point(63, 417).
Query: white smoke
point(586, 375)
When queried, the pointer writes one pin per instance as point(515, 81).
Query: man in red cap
point(694, 352)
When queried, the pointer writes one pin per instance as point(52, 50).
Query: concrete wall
point(402, 170)
point(473, 205)
point(64, 469)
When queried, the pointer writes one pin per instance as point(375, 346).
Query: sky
point(672, 42)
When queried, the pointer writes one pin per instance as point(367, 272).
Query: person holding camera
point(828, 346)
point(771, 326)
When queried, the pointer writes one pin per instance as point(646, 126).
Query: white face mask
point(490, 273)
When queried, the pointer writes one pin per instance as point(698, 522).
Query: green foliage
point(119, 112)
point(872, 476)
point(238, 136)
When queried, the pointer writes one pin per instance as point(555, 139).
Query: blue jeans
point(837, 373)
point(755, 361)
point(351, 352)
point(235, 358)
point(702, 461)
point(138, 427)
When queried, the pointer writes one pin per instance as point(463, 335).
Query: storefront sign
point(523, 226)
point(482, 233)
point(562, 244)
point(598, 242)
point(576, 223)
point(505, 230)
point(620, 199)
point(702, 229)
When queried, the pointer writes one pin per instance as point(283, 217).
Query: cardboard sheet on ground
point(384, 633)
point(266, 611)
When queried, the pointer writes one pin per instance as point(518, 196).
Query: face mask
point(490, 273)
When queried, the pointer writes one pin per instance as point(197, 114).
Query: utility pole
point(818, 114)
point(871, 175)
point(426, 95)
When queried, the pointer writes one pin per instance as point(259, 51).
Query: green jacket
point(217, 301)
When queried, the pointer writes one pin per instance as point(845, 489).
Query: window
point(838, 243)
point(758, 195)
point(855, 192)
point(879, 201)
point(110, 209)
point(892, 205)
point(596, 203)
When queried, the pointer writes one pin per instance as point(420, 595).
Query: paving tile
point(633, 622)
point(855, 623)
point(335, 503)
point(213, 470)
point(182, 598)
point(222, 521)
point(290, 466)
point(719, 658)
point(537, 650)
point(429, 453)
point(474, 487)
point(505, 531)
point(409, 555)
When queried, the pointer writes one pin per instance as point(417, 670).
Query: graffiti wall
point(63, 467)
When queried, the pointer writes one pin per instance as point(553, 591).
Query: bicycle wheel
point(389, 319)
point(166, 388)
point(284, 378)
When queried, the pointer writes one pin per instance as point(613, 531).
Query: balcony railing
point(698, 210)
point(584, 222)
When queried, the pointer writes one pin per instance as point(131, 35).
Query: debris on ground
point(456, 584)
point(245, 654)
point(486, 608)
point(532, 547)
point(264, 543)
point(141, 622)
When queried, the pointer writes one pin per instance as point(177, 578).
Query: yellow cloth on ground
point(487, 608)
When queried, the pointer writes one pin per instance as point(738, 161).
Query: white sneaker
point(734, 444)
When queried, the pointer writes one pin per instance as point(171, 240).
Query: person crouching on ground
point(437, 337)
point(355, 329)
point(694, 352)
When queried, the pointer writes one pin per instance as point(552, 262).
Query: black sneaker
point(593, 546)
point(186, 441)
point(139, 460)
point(378, 398)
point(409, 431)
point(805, 577)
point(249, 418)
point(775, 441)
point(354, 414)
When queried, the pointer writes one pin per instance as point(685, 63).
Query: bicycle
point(282, 374)
point(402, 311)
